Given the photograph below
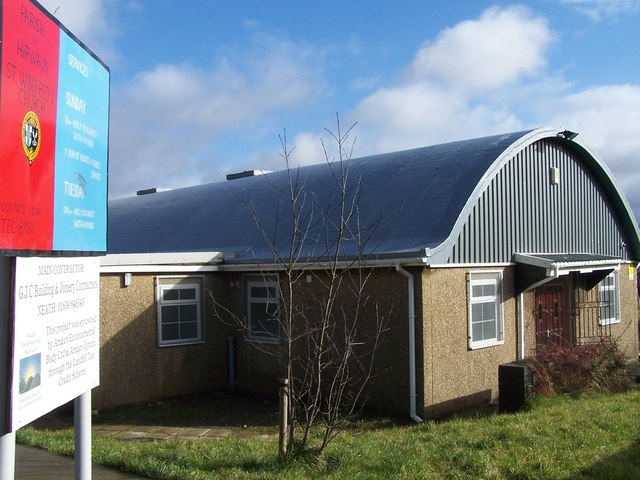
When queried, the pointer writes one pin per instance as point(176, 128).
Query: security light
point(568, 134)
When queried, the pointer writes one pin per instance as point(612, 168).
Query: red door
point(549, 315)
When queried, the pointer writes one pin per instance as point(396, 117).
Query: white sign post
point(56, 334)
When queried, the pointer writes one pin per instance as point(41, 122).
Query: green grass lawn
point(564, 438)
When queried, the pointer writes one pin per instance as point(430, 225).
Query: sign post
point(54, 121)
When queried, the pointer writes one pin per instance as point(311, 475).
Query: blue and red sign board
point(54, 130)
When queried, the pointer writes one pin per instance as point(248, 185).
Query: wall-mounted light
point(554, 175)
point(128, 279)
point(567, 134)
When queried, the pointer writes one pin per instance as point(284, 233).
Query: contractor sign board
point(54, 118)
point(56, 334)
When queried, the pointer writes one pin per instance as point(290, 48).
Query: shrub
point(569, 369)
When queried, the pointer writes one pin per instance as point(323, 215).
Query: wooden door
point(549, 315)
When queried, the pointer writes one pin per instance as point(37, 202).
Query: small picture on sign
point(29, 373)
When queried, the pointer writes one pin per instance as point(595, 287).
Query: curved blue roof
point(407, 202)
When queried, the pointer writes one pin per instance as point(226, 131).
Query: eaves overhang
point(409, 259)
point(169, 262)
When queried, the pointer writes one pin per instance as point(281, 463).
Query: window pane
point(476, 291)
point(272, 309)
point(170, 332)
point(476, 332)
point(489, 290)
point(188, 313)
point(258, 312)
point(488, 311)
point(170, 294)
point(169, 314)
point(187, 294)
point(262, 318)
point(259, 292)
point(476, 312)
point(268, 326)
point(188, 330)
point(488, 330)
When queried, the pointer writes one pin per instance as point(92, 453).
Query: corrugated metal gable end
point(521, 211)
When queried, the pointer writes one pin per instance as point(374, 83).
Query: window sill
point(609, 321)
point(181, 344)
point(269, 340)
point(486, 344)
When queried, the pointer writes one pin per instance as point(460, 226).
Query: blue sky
point(204, 88)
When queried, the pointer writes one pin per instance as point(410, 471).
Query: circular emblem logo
point(31, 136)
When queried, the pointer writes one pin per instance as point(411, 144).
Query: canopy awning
point(536, 268)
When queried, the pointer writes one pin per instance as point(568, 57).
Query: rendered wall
point(133, 368)
point(456, 377)
point(626, 332)
point(258, 366)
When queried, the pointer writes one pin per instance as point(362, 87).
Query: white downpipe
point(522, 343)
point(412, 344)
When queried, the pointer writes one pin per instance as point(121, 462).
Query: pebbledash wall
point(449, 375)
point(133, 367)
point(386, 297)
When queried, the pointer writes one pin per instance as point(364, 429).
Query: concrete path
point(35, 464)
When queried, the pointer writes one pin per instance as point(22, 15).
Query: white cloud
point(599, 10)
point(92, 21)
point(459, 85)
point(171, 114)
point(608, 118)
point(497, 49)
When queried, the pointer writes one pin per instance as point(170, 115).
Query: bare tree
point(331, 331)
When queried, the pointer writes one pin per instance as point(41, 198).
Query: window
point(261, 310)
point(608, 300)
point(179, 310)
point(485, 309)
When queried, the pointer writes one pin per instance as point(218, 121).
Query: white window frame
point(268, 281)
point(615, 288)
point(164, 283)
point(489, 277)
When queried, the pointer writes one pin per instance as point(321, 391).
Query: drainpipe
point(521, 327)
point(412, 344)
point(231, 362)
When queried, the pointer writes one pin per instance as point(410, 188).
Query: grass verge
point(567, 437)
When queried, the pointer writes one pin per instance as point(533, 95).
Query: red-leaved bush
point(569, 369)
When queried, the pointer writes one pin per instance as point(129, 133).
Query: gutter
point(412, 343)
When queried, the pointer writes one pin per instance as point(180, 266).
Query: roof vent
point(148, 191)
point(246, 173)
